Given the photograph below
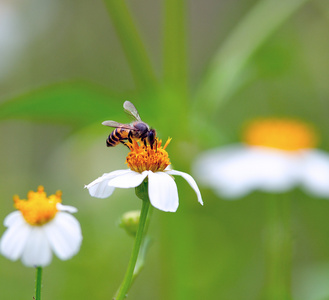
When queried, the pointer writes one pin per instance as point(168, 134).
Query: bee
point(135, 130)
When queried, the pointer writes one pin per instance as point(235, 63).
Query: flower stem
point(175, 58)
point(126, 283)
point(278, 250)
point(131, 42)
point(38, 283)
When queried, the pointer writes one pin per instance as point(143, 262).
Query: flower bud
point(130, 221)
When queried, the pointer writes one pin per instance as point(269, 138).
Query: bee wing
point(131, 110)
point(117, 124)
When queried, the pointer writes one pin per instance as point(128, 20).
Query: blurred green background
point(196, 71)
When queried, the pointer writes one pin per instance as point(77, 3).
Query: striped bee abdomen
point(117, 136)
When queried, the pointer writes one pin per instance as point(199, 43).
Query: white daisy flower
point(148, 163)
point(41, 225)
point(277, 154)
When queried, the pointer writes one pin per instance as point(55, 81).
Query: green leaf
point(75, 103)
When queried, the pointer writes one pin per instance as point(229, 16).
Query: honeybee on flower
point(135, 130)
point(147, 160)
point(150, 174)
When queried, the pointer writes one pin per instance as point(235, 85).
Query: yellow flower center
point(38, 209)
point(284, 134)
point(142, 158)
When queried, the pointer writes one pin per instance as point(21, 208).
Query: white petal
point(64, 235)
point(68, 208)
point(277, 170)
point(99, 188)
point(315, 172)
point(37, 251)
point(163, 192)
point(12, 218)
point(190, 181)
point(237, 170)
point(128, 180)
point(14, 239)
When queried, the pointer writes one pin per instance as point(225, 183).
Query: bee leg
point(129, 137)
point(124, 143)
point(144, 141)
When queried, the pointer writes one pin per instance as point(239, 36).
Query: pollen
point(144, 157)
point(283, 134)
point(38, 209)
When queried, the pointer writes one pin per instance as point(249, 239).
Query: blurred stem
point(175, 63)
point(174, 94)
point(132, 43)
point(180, 240)
point(38, 283)
point(129, 276)
point(224, 74)
point(141, 257)
point(278, 249)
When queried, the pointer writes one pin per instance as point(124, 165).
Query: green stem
point(144, 247)
point(126, 283)
point(175, 62)
point(38, 283)
point(278, 249)
point(174, 91)
point(131, 42)
point(141, 257)
point(175, 59)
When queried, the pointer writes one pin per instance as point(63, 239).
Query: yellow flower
point(40, 225)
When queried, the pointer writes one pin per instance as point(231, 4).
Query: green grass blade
point(224, 75)
point(132, 43)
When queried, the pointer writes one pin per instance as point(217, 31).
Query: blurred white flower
point(41, 225)
point(145, 162)
point(277, 154)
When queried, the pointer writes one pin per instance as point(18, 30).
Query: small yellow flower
point(38, 209)
point(40, 225)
